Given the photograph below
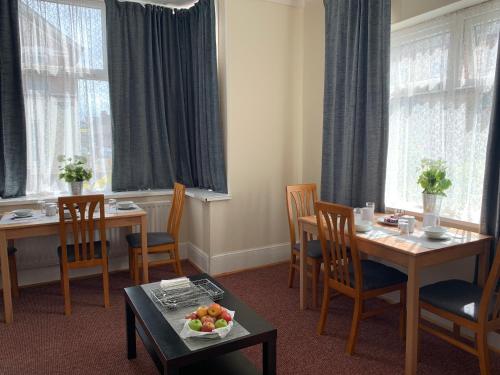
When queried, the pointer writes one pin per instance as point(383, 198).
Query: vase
point(432, 203)
point(76, 187)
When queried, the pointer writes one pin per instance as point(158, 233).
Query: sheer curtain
point(442, 75)
point(66, 93)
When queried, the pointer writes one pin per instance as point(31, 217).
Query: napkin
point(175, 283)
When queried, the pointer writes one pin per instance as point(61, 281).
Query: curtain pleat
point(164, 97)
point(12, 119)
point(356, 101)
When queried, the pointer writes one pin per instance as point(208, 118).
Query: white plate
point(22, 212)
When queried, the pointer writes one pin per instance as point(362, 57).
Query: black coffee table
point(173, 357)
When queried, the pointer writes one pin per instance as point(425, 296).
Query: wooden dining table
point(42, 225)
point(413, 252)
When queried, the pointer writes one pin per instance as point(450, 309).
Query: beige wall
point(404, 9)
point(264, 112)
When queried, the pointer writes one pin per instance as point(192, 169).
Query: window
point(66, 93)
point(442, 76)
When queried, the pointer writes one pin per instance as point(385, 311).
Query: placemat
point(423, 240)
point(175, 319)
point(378, 232)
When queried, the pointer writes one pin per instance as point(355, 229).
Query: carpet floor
point(92, 340)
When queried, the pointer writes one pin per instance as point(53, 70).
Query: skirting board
point(249, 258)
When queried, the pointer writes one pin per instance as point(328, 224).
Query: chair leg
point(67, 297)
point(178, 260)
point(137, 271)
point(356, 318)
point(105, 282)
point(291, 272)
point(13, 275)
point(315, 284)
point(483, 352)
point(324, 308)
point(402, 312)
point(131, 262)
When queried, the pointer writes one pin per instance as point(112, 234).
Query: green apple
point(221, 323)
point(195, 324)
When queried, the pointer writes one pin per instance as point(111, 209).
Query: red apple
point(192, 316)
point(207, 327)
point(214, 309)
point(226, 316)
point(202, 311)
point(207, 318)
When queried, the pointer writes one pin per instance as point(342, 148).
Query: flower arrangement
point(74, 169)
point(433, 177)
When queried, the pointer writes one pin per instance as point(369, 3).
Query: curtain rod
point(167, 3)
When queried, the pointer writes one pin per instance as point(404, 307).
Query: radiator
point(41, 252)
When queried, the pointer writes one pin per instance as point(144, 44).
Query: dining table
point(39, 224)
point(413, 252)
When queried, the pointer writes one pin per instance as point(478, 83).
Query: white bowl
point(24, 212)
point(435, 232)
point(124, 204)
point(363, 226)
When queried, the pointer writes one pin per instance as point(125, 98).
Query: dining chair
point(160, 242)
point(85, 251)
point(300, 201)
point(347, 274)
point(466, 305)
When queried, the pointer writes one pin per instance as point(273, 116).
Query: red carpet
point(92, 341)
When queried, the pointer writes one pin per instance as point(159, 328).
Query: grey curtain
point(12, 121)
point(490, 211)
point(164, 97)
point(356, 101)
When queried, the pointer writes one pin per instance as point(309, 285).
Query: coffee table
point(171, 356)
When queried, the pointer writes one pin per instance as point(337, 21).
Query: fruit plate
point(382, 221)
point(218, 333)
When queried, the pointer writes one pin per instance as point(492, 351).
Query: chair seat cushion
point(11, 251)
point(154, 239)
point(313, 249)
point(71, 250)
point(377, 275)
point(455, 296)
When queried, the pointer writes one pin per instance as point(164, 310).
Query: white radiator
point(41, 252)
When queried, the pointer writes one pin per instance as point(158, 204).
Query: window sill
point(446, 221)
point(195, 193)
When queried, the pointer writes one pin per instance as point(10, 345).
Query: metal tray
point(196, 293)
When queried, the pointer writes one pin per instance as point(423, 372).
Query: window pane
point(66, 90)
point(442, 75)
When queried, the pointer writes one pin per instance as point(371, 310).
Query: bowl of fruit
point(210, 322)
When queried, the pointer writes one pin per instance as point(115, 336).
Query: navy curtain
point(356, 101)
point(164, 96)
point(12, 120)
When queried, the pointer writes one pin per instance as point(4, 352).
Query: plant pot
point(76, 187)
point(432, 203)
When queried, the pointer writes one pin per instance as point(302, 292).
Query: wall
point(404, 9)
point(263, 52)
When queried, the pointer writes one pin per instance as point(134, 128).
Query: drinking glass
point(371, 206)
point(41, 206)
point(404, 227)
point(112, 206)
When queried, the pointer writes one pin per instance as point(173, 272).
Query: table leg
point(144, 250)
point(7, 291)
point(131, 339)
point(412, 315)
point(302, 267)
point(171, 371)
point(269, 357)
point(482, 274)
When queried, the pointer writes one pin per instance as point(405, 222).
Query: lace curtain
point(66, 93)
point(442, 75)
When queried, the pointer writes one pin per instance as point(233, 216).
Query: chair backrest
point(337, 235)
point(489, 307)
point(174, 219)
point(300, 201)
point(82, 210)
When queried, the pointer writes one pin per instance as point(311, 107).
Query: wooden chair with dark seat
point(347, 274)
point(466, 305)
point(85, 251)
point(300, 201)
point(160, 242)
